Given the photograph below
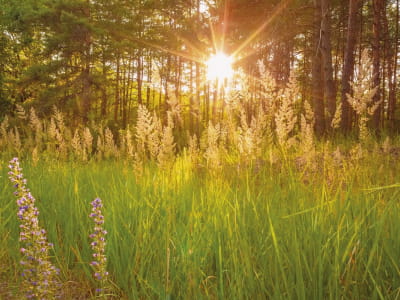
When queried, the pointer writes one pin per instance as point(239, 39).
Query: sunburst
point(219, 67)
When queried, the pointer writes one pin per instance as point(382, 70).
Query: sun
point(219, 66)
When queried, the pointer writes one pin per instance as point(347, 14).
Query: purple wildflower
point(98, 246)
point(39, 275)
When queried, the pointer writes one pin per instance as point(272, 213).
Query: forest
point(98, 60)
point(204, 149)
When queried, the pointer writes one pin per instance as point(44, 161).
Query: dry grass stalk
point(143, 128)
point(285, 116)
point(212, 149)
point(362, 98)
point(166, 154)
point(110, 148)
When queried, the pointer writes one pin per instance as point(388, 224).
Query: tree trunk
point(167, 82)
point(317, 83)
point(196, 108)
point(86, 92)
point(103, 111)
point(348, 65)
point(139, 77)
point(388, 50)
point(393, 79)
point(215, 101)
point(377, 6)
point(326, 51)
point(149, 79)
point(117, 96)
point(86, 81)
point(127, 88)
point(190, 96)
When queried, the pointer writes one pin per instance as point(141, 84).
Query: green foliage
point(270, 230)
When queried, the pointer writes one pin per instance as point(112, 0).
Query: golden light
point(219, 66)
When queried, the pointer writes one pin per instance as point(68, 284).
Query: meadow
point(268, 229)
point(199, 149)
point(249, 206)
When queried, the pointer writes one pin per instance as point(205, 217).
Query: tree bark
point(117, 94)
point(348, 65)
point(393, 79)
point(326, 51)
point(377, 6)
point(196, 108)
point(139, 77)
point(86, 80)
point(104, 87)
point(388, 50)
point(317, 82)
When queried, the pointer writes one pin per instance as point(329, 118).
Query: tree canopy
point(98, 59)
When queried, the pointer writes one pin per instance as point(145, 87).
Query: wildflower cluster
point(98, 245)
point(39, 275)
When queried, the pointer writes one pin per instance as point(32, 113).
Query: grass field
point(267, 230)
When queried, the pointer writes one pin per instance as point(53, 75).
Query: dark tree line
point(99, 59)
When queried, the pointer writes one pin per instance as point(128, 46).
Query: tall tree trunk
point(117, 92)
point(167, 82)
point(393, 80)
point(196, 108)
point(377, 6)
point(206, 102)
point(139, 77)
point(103, 112)
point(215, 100)
point(123, 89)
point(348, 65)
point(326, 51)
point(178, 79)
point(129, 92)
point(127, 88)
point(86, 81)
point(190, 96)
point(86, 92)
point(149, 80)
point(388, 50)
point(317, 83)
point(139, 70)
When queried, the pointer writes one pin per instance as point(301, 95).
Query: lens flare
point(219, 66)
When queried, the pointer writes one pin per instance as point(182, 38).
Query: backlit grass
point(257, 231)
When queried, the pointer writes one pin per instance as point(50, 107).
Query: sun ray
point(174, 52)
point(200, 54)
point(224, 25)
point(277, 11)
point(213, 36)
point(218, 46)
point(155, 46)
point(248, 54)
point(192, 47)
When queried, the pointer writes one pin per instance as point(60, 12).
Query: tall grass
point(276, 232)
point(252, 206)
